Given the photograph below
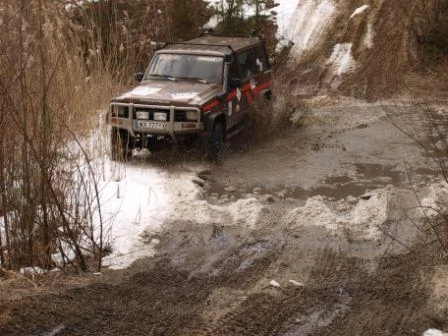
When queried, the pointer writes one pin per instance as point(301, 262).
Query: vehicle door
point(239, 98)
point(255, 75)
point(261, 83)
point(235, 101)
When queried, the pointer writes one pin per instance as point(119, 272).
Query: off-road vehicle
point(202, 87)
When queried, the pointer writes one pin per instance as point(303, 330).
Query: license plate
point(150, 124)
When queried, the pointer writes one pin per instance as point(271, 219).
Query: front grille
point(180, 116)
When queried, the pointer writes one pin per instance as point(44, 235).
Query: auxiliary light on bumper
point(191, 115)
point(142, 115)
point(160, 116)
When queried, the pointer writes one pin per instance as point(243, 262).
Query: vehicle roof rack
point(200, 44)
point(211, 32)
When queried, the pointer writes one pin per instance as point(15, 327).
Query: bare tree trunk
point(45, 143)
point(27, 219)
point(4, 207)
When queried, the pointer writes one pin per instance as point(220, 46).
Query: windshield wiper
point(171, 78)
point(197, 79)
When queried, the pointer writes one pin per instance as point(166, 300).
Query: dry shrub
point(5, 318)
point(61, 63)
point(426, 125)
point(46, 179)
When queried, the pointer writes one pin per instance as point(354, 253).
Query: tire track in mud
point(389, 302)
point(340, 298)
point(290, 311)
point(159, 301)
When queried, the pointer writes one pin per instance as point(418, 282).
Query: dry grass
point(5, 318)
point(59, 69)
point(50, 103)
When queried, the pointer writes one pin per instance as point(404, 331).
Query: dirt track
point(350, 279)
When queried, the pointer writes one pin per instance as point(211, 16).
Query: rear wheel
point(120, 143)
point(217, 143)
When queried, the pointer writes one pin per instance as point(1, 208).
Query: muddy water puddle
point(368, 176)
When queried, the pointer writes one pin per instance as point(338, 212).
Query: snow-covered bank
point(141, 200)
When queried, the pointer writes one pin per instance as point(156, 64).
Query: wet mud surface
point(281, 276)
point(340, 296)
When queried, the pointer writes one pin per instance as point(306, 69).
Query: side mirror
point(138, 76)
point(235, 82)
point(222, 96)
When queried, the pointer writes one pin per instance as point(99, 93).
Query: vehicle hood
point(170, 93)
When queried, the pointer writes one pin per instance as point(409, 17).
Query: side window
point(260, 59)
point(245, 65)
point(233, 70)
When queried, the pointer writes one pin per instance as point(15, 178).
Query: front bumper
point(172, 127)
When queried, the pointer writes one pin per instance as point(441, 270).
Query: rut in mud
point(342, 296)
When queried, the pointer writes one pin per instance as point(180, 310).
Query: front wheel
point(120, 144)
point(217, 143)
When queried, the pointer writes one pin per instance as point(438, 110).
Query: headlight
point(142, 115)
point(160, 116)
point(191, 115)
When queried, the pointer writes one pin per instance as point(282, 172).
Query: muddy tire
point(217, 143)
point(120, 149)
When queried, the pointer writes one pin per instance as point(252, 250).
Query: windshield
point(182, 66)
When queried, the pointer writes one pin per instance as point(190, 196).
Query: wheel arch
point(209, 122)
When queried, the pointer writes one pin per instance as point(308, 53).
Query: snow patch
point(434, 332)
point(359, 10)
point(341, 60)
point(301, 22)
point(436, 197)
point(136, 201)
point(314, 213)
point(308, 23)
point(368, 38)
point(285, 12)
point(32, 270)
point(140, 201)
point(243, 212)
point(364, 219)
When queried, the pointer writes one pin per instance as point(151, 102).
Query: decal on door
point(253, 84)
point(238, 94)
